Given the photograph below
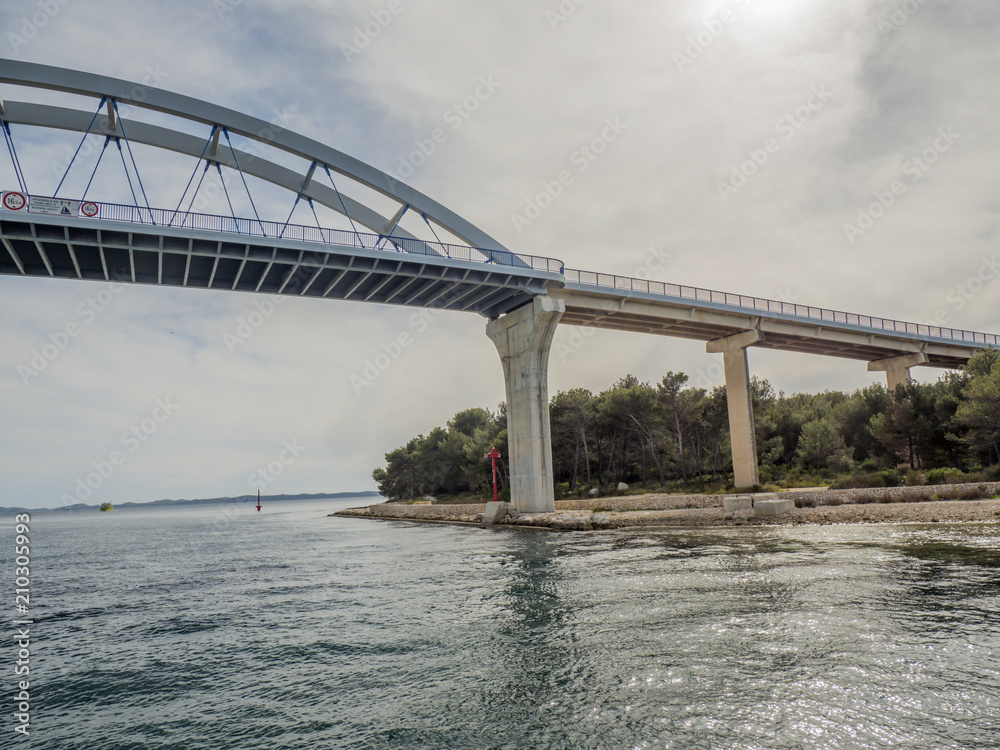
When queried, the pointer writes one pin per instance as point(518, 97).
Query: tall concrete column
point(523, 338)
point(738, 396)
point(897, 369)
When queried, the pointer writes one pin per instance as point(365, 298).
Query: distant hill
point(202, 501)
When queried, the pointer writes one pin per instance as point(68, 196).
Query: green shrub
point(858, 481)
point(861, 481)
point(846, 484)
point(962, 493)
point(935, 476)
point(891, 478)
point(915, 496)
point(868, 466)
point(943, 476)
point(972, 493)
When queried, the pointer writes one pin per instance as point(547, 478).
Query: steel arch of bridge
point(34, 75)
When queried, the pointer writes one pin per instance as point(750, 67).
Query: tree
point(448, 460)
point(821, 446)
point(628, 415)
point(400, 479)
point(572, 421)
point(468, 421)
point(854, 416)
point(471, 433)
point(682, 416)
point(906, 429)
point(715, 416)
point(979, 412)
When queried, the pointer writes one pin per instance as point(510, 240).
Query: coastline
point(703, 511)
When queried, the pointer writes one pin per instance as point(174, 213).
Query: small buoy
point(258, 501)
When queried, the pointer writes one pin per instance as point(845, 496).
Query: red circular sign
point(14, 201)
point(89, 209)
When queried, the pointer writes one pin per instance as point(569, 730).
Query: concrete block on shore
point(495, 513)
point(737, 503)
point(772, 507)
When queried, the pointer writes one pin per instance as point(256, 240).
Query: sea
point(219, 627)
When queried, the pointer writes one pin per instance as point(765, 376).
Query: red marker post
point(494, 454)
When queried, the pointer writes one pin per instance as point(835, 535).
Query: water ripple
point(337, 633)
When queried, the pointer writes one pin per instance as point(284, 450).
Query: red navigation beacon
point(494, 454)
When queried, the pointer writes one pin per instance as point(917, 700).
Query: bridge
point(523, 297)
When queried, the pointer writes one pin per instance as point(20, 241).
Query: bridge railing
point(679, 291)
point(303, 233)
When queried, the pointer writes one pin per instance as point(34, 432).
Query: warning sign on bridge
point(89, 209)
point(13, 201)
point(53, 206)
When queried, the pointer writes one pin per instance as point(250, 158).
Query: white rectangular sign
point(56, 206)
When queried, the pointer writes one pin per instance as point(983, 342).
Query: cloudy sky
point(751, 139)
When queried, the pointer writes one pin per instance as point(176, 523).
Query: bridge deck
point(98, 249)
point(703, 320)
point(245, 255)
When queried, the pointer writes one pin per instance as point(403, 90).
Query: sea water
point(217, 627)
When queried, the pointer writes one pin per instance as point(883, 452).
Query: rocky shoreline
point(830, 507)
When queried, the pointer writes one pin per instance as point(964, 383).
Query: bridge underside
point(69, 248)
point(706, 321)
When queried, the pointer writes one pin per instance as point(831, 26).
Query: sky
point(837, 153)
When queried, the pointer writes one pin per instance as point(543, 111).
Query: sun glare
point(775, 12)
point(760, 15)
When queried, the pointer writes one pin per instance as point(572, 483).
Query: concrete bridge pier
point(738, 395)
point(523, 338)
point(897, 369)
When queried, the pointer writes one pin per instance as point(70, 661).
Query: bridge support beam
point(897, 369)
point(738, 396)
point(523, 338)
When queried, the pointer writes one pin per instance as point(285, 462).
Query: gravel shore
point(698, 511)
